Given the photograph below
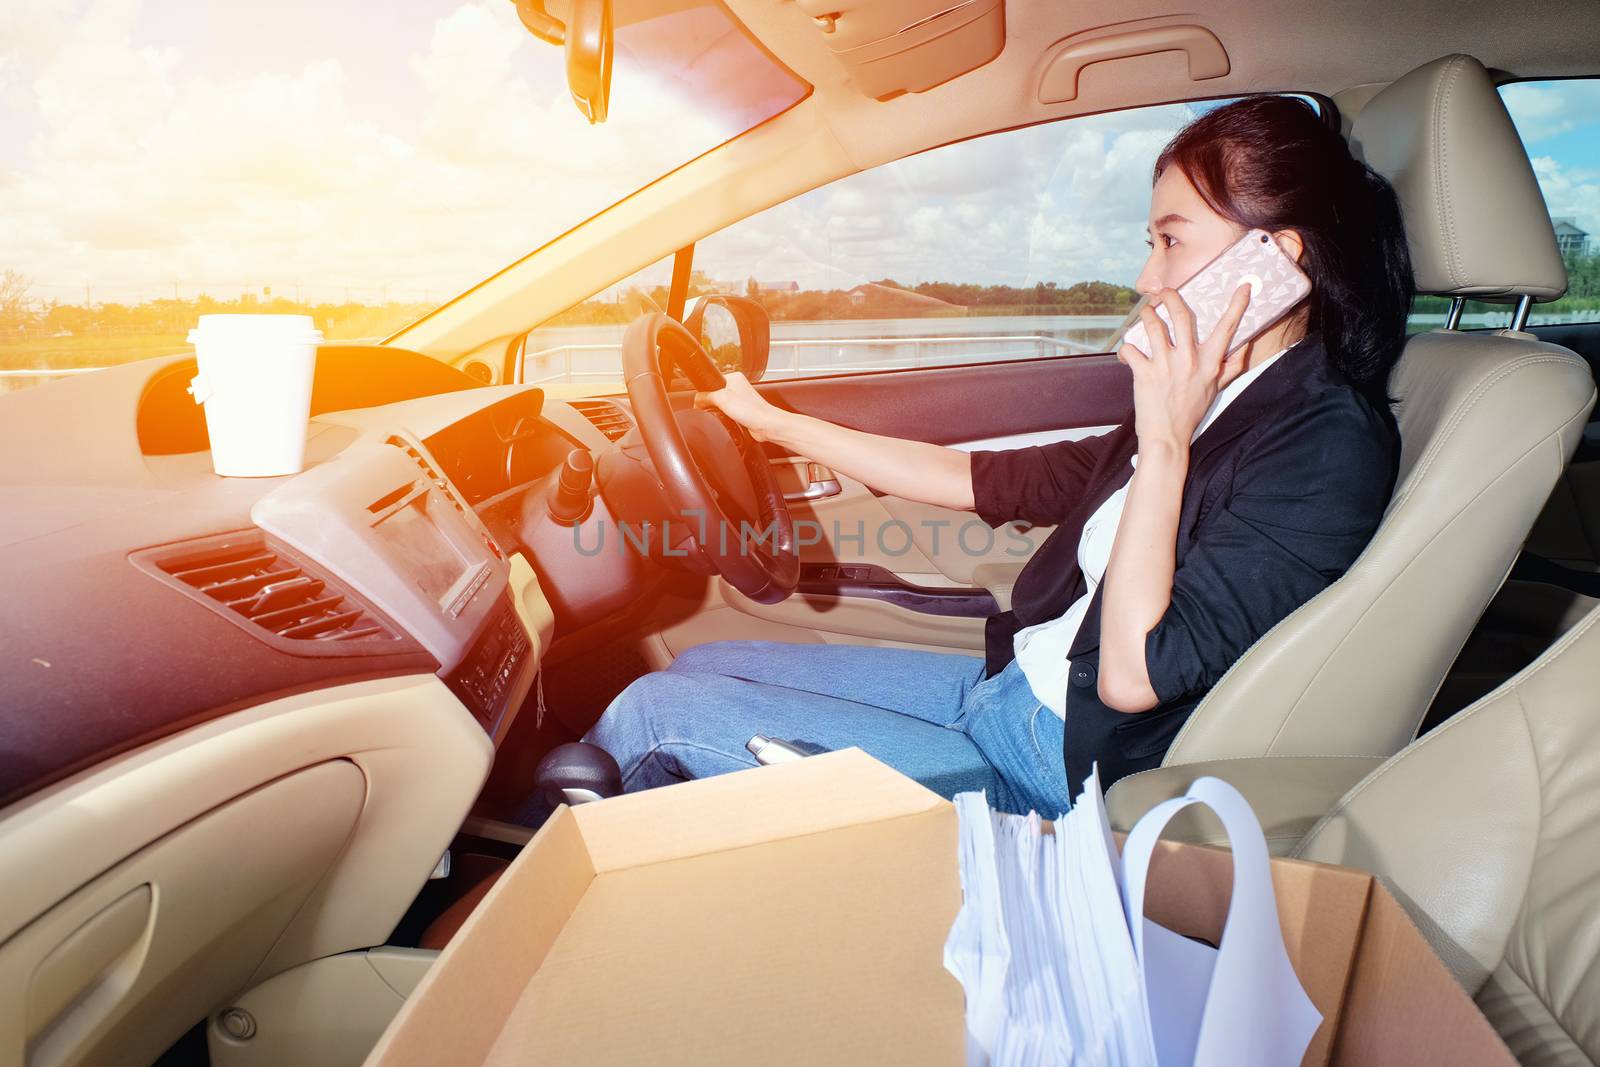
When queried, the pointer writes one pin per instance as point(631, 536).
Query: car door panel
point(997, 405)
point(722, 614)
point(958, 542)
point(947, 405)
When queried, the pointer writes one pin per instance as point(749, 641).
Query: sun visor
point(906, 46)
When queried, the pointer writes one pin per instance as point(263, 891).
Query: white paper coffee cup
point(255, 382)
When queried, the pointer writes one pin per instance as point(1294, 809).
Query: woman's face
point(1184, 235)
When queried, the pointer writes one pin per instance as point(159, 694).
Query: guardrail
point(1044, 345)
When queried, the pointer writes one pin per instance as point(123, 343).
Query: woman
point(1244, 482)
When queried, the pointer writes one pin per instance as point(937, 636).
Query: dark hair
point(1271, 162)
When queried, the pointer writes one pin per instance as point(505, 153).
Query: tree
point(1583, 273)
point(14, 310)
point(67, 318)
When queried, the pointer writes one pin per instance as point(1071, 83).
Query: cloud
point(1542, 110)
point(1062, 202)
point(114, 231)
point(142, 169)
point(96, 93)
point(1570, 193)
point(30, 28)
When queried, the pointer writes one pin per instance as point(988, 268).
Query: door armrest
point(1289, 794)
point(998, 578)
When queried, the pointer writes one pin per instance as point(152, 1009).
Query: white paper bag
point(1250, 1009)
point(1061, 967)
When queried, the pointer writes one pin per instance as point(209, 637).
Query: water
point(592, 355)
point(835, 346)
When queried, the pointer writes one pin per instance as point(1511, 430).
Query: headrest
point(1474, 217)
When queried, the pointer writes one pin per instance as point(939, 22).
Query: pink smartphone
point(1276, 285)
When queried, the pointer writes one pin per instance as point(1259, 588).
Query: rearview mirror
point(735, 332)
point(586, 35)
point(589, 57)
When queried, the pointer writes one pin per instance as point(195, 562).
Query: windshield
point(357, 162)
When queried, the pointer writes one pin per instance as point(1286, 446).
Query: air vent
point(245, 575)
point(607, 417)
point(427, 468)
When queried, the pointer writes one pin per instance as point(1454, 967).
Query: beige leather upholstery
point(1488, 830)
point(1474, 216)
point(1487, 423)
point(1289, 794)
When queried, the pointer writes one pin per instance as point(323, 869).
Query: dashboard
point(499, 447)
point(146, 594)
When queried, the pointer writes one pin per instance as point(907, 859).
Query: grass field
point(57, 352)
point(105, 350)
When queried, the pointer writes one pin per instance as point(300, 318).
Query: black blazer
point(1284, 490)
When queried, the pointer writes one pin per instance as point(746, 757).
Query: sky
point(329, 147)
point(414, 147)
point(1063, 202)
point(1560, 126)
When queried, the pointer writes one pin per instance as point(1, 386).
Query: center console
point(383, 519)
point(486, 678)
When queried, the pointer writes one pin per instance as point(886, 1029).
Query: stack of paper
point(1060, 966)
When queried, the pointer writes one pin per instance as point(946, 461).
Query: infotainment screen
point(429, 559)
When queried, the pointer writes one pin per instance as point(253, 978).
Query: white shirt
point(1041, 649)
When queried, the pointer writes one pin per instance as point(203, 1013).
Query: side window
point(579, 352)
point(1015, 245)
point(1559, 121)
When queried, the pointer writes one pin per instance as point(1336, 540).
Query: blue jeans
point(932, 716)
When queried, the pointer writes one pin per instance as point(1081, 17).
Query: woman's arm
point(1172, 388)
point(1302, 505)
point(1138, 580)
point(914, 470)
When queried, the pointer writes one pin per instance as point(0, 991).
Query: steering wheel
point(761, 560)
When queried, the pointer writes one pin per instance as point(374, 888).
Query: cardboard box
point(797, 914)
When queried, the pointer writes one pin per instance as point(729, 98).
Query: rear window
point(1559, 121)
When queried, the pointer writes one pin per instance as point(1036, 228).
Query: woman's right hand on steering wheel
point(915, 470)
point(739, 400)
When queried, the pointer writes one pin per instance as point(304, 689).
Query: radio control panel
point(486, 676)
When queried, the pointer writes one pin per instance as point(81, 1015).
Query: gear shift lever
point(577, 773)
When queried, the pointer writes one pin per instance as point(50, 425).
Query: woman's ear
point(1289, 241)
